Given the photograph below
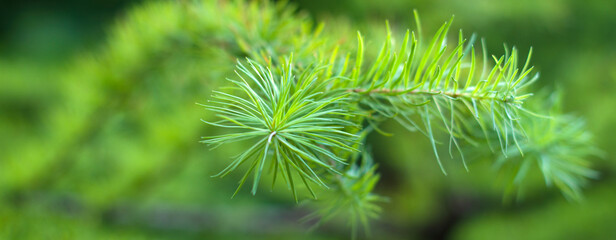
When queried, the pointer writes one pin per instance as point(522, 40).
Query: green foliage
point(295, 117)
point(305, 114)
point(352, 196)
point(118, 125)
point(440, 87)
point(559, 146)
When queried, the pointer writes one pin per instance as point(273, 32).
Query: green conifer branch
point(303, 105)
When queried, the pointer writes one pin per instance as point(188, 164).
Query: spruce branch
point(440, 86)
point(304, 116)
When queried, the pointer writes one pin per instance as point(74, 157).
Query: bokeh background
point(86, 156)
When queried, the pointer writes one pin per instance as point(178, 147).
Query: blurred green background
point(84, 155)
